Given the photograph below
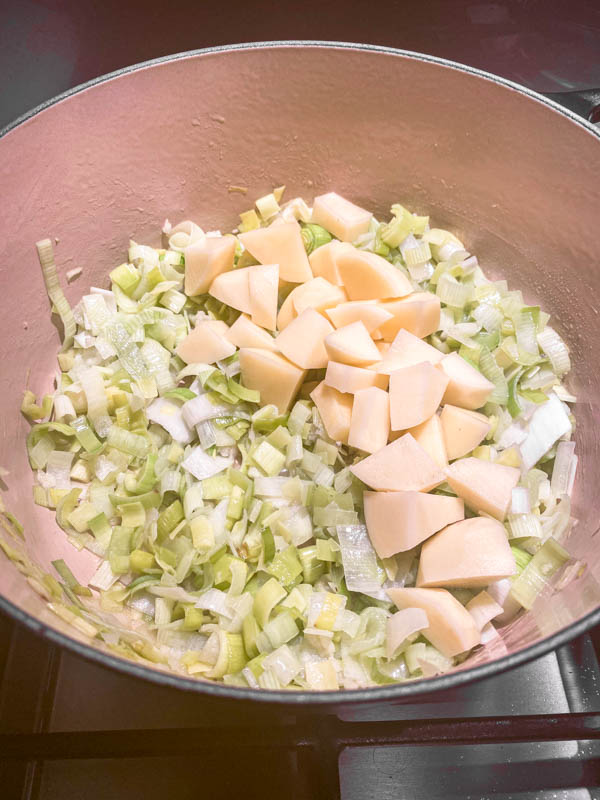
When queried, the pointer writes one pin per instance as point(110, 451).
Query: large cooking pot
point(514, 174)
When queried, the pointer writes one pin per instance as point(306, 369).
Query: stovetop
point(70, 729)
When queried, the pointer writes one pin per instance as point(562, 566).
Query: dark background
point(48, 46)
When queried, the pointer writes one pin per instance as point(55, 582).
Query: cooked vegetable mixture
point(321, 452)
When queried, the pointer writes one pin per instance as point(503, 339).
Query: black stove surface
point(70, 729)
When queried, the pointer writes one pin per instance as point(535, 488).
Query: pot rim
point(396, 691)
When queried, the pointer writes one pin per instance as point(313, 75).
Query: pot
point(512, 173)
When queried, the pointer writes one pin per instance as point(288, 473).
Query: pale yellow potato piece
point(369, 312)
point(263, 284)
point(451, 628)
point(399, 521)
point(335, 409)
point(430, 436)
point(415, 394)
point(276, 378)
point(216, 324)
point(352, 345)
point(468, 554)
point(349, 379)
point(370, 423)
point(204, 260)
point(463, 430)
point(407, 350)
point(232, 289)
point(244, 333)
point(205, 345)
point(367, 276)
point(402, 466)
point(383, 347)
point(467, 387)
point(302, 340)
point(287, 312)
point(483, 485)
point(419, 313)
point(317, 293)
point(340, 217)
point(280, 244)
point(323, 264)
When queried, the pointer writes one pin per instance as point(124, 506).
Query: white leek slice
point(63, 408)
point(525, 526)
point(295, 525)
point(483, 608)
point(536, 575)
point(58, 469)
point(96, 312)
point(520, 502)
point(183, 235)
point(555, 349)
point(361, 570)
point(488, 316)
point(173, 593)
point(284, 664)
point(525, 332)
point(92, 383)
point(206, 433)
point(549, 422)
point(564, 395)
point(453, 293)
point(322, 675)
point(216, 601)
point(104, 577)
point(197, 368)
point(109, 298)
point(401, 625)
point(563, 472)
point(489, 633)
point(193, 500)
point(556, 518)
point(55, 292)
point(432, 662)
point(325, 611)
point(201, 408)
point(169, 415)
point(203, 466)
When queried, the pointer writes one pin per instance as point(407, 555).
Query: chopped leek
point(286, 566)
point(314, 236)
point(280, 630)
point(127, 442)
point(85, 435)
point(235, 528)
point(361, 570)
point(266, 598)
point(555, 350)
point(268, 458)
point(55, 292)
point(537, 572)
